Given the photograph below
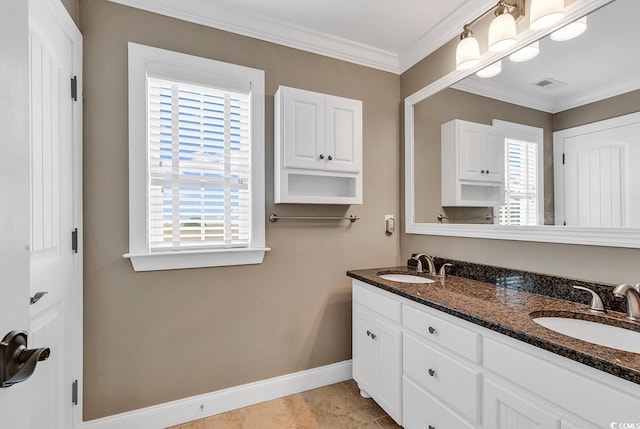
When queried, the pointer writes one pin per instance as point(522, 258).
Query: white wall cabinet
point(317, 148)
point(454, 374)
point(377, 350)
point(472, 164)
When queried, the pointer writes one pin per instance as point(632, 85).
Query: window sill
point(158, 261)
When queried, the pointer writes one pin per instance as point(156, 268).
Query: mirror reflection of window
point(520, 184)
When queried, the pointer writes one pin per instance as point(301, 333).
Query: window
point(523, 185)
point(196, 161)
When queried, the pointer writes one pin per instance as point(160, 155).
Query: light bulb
point(467, 51)
point(545, 13)
point(525, 54)
point(491, 70)
point(570, 31)
point(502, 31)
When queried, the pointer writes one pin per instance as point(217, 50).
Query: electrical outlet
point(389, 224)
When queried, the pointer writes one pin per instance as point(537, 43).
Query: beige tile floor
point(338, 406)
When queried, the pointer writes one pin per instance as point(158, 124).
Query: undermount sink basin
point(405, 278)
point(593, 332)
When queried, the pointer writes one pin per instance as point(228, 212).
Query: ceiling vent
point(549, 83)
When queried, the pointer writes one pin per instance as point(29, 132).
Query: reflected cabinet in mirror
point(545, 149)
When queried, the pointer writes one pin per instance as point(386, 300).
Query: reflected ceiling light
point(545, 13)
point(468, 50)
point(525, 54)
point(491, 70)
point(570, 31)
point(502, 31)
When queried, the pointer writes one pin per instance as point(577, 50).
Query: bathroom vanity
point(461, 353)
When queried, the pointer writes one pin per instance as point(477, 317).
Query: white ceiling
point(384, 34)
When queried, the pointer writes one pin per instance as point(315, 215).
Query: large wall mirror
point(547, 149)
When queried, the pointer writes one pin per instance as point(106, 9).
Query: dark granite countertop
point(508, 311)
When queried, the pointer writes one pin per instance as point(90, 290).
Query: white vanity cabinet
point(432, 370)
point(440, 371)
point(377, 347)
point(472, 164)
point(317, 148)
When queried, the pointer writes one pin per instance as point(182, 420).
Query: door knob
point(17, 363)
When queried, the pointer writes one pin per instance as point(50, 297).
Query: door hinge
point(74, 88)
point(74, 392)
point(563, 158)
point(74, 240)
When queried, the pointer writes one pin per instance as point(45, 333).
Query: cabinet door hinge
point(74, 88)
point(74, 240)
point(74, 392)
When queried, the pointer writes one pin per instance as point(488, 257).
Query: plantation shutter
point(521, 184)
point(199, 152)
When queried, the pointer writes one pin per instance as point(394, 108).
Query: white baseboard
point(209, 404)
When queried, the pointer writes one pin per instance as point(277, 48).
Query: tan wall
point(449, 104)
point(598, 111)
point(155, 337)
point(73, 7)
point(605, 264)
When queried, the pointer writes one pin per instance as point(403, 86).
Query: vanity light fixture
point(468, 50)
point(502, 31)
point(570, 31)
point(527, 53)
point(491, 70)
point(502, 34)
point(545, 13)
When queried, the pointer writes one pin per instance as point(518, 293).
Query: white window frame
point(530, 134)
point(201, 71)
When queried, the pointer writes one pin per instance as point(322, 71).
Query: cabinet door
point(363, 349)
point(388, 369)
point(304, 128)
point(494, 156)
point(505, 409)
point(470, 147)
point(343, 134)
point(481, 152)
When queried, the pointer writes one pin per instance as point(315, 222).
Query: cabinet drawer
point(421, 411)
point(366, 296)
point(586, 397)
point(452, 337)
point(450, 381)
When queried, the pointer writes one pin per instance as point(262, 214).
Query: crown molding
point(445, 31)
point(281, 33)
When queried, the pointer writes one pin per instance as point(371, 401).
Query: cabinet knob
point(329, 157)
point(321, 156)
point(432, 373)
point(432, 330)
point(373, 336)
point(481, 171)
point(487, 171)
point(432, 427)
point(368, 333)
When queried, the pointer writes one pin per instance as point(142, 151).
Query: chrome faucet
point(632, 293)
point(430, 263)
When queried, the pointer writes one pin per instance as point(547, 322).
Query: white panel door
point(600, 178)
point(388, 368)
point(505, 409)
point(343, 133)
point(363, 349)
point(53, 317)
point(14, 196)
point(303, 129)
